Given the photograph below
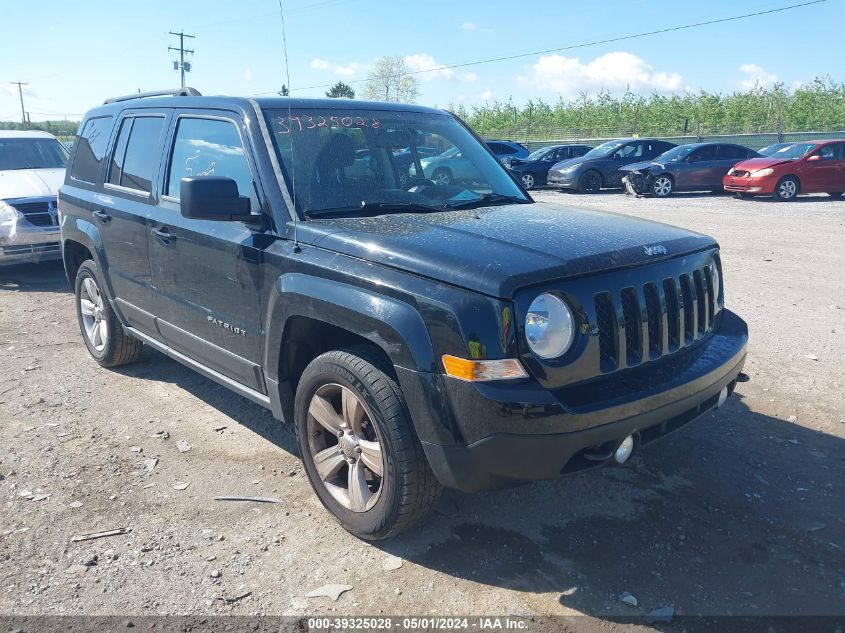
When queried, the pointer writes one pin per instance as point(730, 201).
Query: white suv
point(32, 168)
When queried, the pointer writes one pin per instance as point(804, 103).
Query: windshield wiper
point(372, 208)
point(486, 199)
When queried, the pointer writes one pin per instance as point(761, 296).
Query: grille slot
point(655, 320)
point(36, 213)
point(689, 313)
point(638, 324)
point(701, 301)
point(633, 331)
point(673, 317)
point(607, 331)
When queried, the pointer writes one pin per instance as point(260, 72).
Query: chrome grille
point(637, 324)
point(40, 212)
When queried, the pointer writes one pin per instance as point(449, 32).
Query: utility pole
point(20, 85)
point(182, 65)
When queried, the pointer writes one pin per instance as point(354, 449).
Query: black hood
point(496, 250)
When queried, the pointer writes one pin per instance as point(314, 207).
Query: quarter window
point(91, 145)
point(208, 147)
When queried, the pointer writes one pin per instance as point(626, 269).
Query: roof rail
point(174, 92)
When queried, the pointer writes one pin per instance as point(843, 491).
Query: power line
point(20, 85)
point(611, 40)
point(182, 65)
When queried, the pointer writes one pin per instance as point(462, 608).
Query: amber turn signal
point(482, 370)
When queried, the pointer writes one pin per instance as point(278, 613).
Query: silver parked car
point(32, 168)
point(447, 168)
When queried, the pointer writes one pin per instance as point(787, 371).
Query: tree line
point(817, 106)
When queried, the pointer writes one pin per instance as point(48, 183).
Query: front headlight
point(9, 218)
point(731, 171)
point(760, 173)
point(570, 168)
point(549, 326)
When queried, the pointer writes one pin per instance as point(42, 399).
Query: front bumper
point(31, 244)
point(568, 180)
point(517, 434)
point(744, 184)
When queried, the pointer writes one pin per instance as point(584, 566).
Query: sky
point(75, 55)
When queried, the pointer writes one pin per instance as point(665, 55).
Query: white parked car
point(32, 168)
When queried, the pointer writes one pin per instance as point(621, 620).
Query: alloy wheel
point(528, 181)
point(787, 189)
point(345, 447)
point(93, 310)
point(662, 186)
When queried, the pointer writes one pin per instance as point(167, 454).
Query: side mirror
point(213, 198)
point(814, 158)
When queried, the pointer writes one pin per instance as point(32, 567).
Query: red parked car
point(809, 167)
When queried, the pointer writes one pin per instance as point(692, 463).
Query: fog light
point(723, 395)
point(623, 453)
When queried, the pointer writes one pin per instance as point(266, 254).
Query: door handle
point(163, 235)
point(102, 216)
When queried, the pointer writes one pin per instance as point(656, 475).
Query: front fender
point(395, 326)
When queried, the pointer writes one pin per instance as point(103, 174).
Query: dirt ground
point(740, 513)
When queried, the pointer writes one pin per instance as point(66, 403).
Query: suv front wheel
point(101, 330)
point(358, 446)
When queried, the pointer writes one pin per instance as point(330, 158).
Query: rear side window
point(730, 152)
point(209, 147)
point(136, 153)
point(91, 144)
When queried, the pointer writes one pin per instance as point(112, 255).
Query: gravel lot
point(740, 513)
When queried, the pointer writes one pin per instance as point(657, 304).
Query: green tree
point(341, 90)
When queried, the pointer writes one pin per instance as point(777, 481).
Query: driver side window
point(208, 147)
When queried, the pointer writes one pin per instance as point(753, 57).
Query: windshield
point(538, 154)
point(793, 152)
point(771, 149)
point(676, 154)
point(32, 153)
point(345, 162)
point(603, 150)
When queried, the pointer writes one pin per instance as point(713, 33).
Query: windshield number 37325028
point(302, 122)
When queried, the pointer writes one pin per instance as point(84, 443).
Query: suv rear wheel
point(358, 447)
point(101, 330)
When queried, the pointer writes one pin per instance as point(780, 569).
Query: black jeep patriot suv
point(418, 335)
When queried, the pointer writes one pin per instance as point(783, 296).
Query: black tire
point(117, 349)
point(787, 189)
point(408, 490)
point(442, 176)
point(590, 182)
point(662, 186)
point(835, 194)
point(529, 180)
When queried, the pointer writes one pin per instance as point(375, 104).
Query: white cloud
point(338, 69)
point(470, 77)
point(756, 76)
point(425, 65)
point(614, 72)
point(472, 26)
point(486, 95)
point(247, 74)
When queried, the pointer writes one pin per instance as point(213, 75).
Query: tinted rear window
point(134, 161)
point(91, 144)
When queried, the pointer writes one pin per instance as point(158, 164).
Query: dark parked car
point(599, 168)
point(455, 335)
point(809, 167)
point(774, 147)
point(533, 169)
point(693, 167)
point(505, 151)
